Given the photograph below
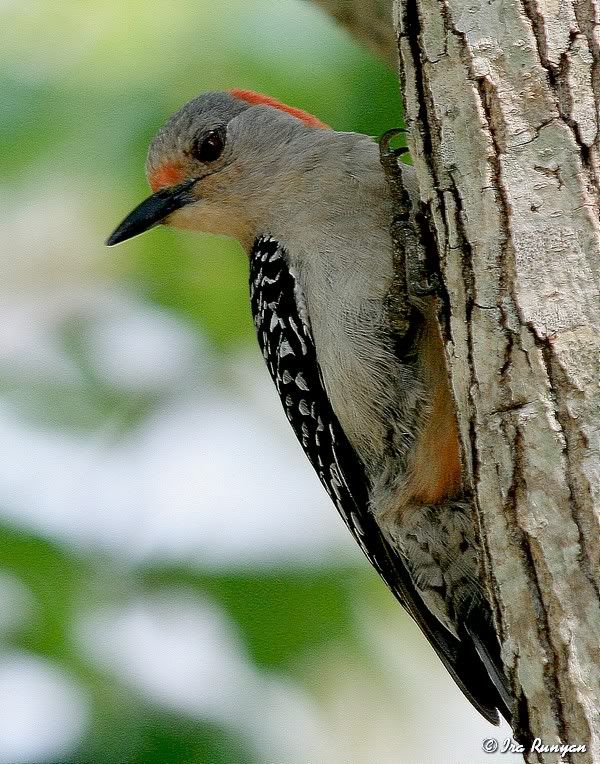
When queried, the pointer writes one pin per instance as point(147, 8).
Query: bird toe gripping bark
point(414, 279)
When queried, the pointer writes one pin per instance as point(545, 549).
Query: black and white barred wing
point(289, 351)
point(288, 348)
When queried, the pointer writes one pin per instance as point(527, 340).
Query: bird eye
point(209, 147)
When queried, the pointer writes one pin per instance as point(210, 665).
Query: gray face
point(176, 140)
point(221, 164)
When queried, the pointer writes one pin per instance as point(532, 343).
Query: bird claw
point(388, 157)
point(386, 138)
point(414, 280)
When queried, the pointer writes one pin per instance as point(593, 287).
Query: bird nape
point(369, 404)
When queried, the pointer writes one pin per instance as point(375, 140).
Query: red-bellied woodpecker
point(369, 402)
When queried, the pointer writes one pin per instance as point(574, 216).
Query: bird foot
point(415, 278)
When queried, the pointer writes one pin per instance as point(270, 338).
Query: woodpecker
point(367, 399)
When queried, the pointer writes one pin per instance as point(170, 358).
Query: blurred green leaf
point(171, 738)
point(201, 278)
point(284, 615)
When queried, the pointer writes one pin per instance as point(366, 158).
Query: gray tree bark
point(502, 103)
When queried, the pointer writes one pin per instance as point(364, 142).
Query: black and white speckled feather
point(287, 345)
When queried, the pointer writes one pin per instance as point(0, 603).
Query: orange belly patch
point(436, 470)
point(435, 473)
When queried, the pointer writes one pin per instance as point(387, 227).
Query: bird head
point(212, 166)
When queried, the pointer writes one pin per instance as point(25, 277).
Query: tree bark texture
point(501, 99)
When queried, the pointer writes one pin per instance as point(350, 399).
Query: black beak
point(153, 211)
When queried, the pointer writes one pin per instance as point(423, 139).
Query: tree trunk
point(502, 113)
point(501, 100)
